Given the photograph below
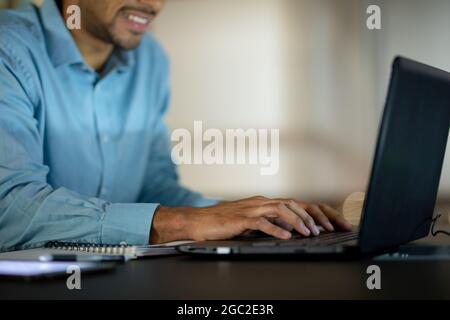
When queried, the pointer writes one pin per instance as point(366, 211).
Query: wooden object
point(352, 207)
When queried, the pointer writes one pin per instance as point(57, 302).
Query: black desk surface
point(183, 277)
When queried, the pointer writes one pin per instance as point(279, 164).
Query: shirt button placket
point(102, 125)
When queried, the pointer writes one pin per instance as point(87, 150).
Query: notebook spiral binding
point(120, 249)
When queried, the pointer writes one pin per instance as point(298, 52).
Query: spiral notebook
point(128, 251)
point(81, 250)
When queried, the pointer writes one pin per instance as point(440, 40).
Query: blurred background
point(310, 68)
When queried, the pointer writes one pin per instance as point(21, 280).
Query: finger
point(279, 210)
point(293, 219)
point(267, 211)
point(262, 224)
point(281, 223)
point(307, 219)
point(337, 218)
point(318, 215)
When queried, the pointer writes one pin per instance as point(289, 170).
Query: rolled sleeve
point(127, 222)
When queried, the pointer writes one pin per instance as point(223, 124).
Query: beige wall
point(307, 67)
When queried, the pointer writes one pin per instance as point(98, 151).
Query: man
point(84, 151)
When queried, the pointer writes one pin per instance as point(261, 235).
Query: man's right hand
point(275, 217)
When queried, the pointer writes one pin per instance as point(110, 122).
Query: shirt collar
point(122, 59)
point(61, 46)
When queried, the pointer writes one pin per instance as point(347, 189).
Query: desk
point(183, 277)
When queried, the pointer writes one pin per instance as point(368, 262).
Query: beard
point(112, 33)
point(126, 43)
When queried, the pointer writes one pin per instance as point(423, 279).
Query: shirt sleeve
point(32, 212)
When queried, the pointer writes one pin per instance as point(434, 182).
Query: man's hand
point(275, 217)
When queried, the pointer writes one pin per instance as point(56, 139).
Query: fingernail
point(286, 235)
point(306, 230)
point(316, 230)
point(329, 226)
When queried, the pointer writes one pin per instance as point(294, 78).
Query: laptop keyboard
point(324, 239)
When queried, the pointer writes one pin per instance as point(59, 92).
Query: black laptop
point(404, 181)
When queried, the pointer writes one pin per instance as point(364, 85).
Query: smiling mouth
point(139, 20)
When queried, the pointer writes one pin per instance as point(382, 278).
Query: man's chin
point(129, 43)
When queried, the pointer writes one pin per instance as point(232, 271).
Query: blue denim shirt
point(84, 157)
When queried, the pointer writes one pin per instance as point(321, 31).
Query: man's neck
point(94, 51)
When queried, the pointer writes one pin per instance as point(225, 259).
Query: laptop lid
point(408, 158)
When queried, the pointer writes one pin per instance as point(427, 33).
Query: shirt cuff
point(127, 222)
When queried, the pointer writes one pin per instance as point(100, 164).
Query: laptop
point(404, 179)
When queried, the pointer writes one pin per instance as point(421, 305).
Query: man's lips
point(137, 20)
